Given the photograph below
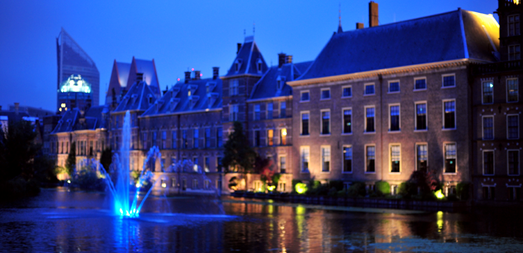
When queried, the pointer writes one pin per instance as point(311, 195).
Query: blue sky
point(179, 35)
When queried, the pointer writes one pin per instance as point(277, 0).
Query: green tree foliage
point(70, 163)
point(17, 151)
point(383, 188)
point(238, 154)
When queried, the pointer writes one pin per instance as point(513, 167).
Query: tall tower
point(511, 40)
point(78, 79)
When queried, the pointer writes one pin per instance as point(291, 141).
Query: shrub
point(357, 189)
point(462, 190)
point(333, 191)
point(338, 184)
point(382, 187)
point(342, 193)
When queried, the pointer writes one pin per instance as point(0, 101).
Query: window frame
point(416, 103)
point(254, 139)
point(234, 87)
point(343, 121)
point(443, 80)
point(420, 78)
point(365, 119)
point(232, 113)
point(256, 112)
point(483, 92)
point(483, 162)
point(417, 156)
point(513, 47)
point(308, 125)
point(366, 158)
point(443, 114)
point(390, 118)
point(445, 157)
point(343, 159)
point(269, 114)
point(344, 87)
point(280, 114)
point(365, 89)
point(519, 162)
point(483, 127)
point(280, 163)
point(507, 129)
point(321, 94)
point(268, 140)
point(506, 86)
point(321, 122)
point(301, 94)
point(302, 148)
point(399, 86)
point(390, 158)
point(327, 147)
point(516, 32)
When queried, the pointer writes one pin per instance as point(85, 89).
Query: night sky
point(179, 35)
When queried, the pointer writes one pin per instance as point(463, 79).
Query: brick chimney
point(139, 77)
point(288, 59)
point(187, 76)
point(373, 14)
point(359, 25)
point(239, 45)
point(17, 108)
point(281, 59)
point(196, 75)
point(215, 72)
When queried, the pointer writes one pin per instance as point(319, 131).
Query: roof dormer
point(259, 65)
point(237, 64)
point(173, 103)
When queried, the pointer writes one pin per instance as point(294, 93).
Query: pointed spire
point(340, 30)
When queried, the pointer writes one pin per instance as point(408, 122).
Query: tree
point(106, 158)
point(70, 163)
point(238, 154)
point(17, 151)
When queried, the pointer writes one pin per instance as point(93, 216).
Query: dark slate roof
point(148, 68)
point(13, 116)
point(248, 57)
point(205, 94)
point(441, 37)
point(67, 122)
point(139, 97)
point(267, 86)
point(73, 120)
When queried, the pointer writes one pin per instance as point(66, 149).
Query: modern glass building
point(78, 83)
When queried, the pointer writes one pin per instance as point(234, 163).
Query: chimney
point(165, 91)
point(281, 59)
point(17, 108)
point(239, 47)
point(373, 14)
point(359, 25)
point(187, 76)
point(215, 73)
point(196, 75)
point(288, 59)
point(0, 107)
point(139, 77)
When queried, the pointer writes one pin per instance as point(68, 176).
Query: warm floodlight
point(439, 194)
point(301, 188)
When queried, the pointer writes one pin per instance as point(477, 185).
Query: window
point(421, 116)
point(488, 92)
point(449, 80)
point(489, 192)
point(347, 159)
point(173, 182)
point(346, 92)
point(488, 127)
point(155, 140)
point(256, 138)
point(259, 65)
point(283, 164)
point(184, 139)
point(304, 123)
point(347, 121)
point(144, 140)
point(164, 139)
point(283, 136)
point(281, 186)
point(420, 83)
point(218, 164)
point(514, 52)
point(256, 112)
point(195, 183)
point(237, 64)
point(304, 159)
point(370, 155)
point(234, 87)
point(208, 137)
point(206, 164)
point(395, 155)
point(512, 90)
point(369, 89)
point(488, 162)
point(283, 109)
point(195, 138)
point(513, 162)
point(394, 118)
point(421, 157)
point(325, 158)
point(325, 122)
point(450, 158)
point(233, 116)
point(369, 119)
point(449, 114)
point(270, 137)
point(513, 126)
point(513, 25)
point(269, 110)
point(394, 86)
point(305, 96)
point(219, 139)
point(513, 192)
point(325, 94)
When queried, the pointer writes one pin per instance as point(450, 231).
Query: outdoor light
point(439, 194)
point(271, 188)
point(284, 132)
point(301, 188)
point(164, 185)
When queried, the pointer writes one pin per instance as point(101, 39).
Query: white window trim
point(483, 127)
point(321, 94)
point(301, 123)
point(390, 158)
point(493, 162)
point(343, 160)
point(365, 119)
point(254, 112)
point(267, 110)
point(286, 163)
point(519, 162)
point(416, 154)
point(375, 158)
point(482, 95)
point(420, 78)
point(443, 79)
point(279, 109)
point(416, 116)
point(393, 81)
point(390, 122)
point(305, 91)
point(321, 122)
point(506, 122)
point(444, 154)
point(321, 159)
point(267, 137)
point(301, 161)
point(365, 88)
point(506, 88)
point(343, 123)
point(343, 87)
point(443, 114)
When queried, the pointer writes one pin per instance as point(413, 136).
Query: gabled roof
point(267, 86)
point(248, 58)
point(443, 37)
point(139, 97)
point(119, 76)
point(204, 94)
point(148, 68)
point(67, 122)
point(73, 120)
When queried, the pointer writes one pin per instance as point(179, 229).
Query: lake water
point(61, 221)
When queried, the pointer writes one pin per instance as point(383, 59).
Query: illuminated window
point(269, 110)
point(449, 114)
point(283, 164)
point(448, 80)
point(206, 164)
point(346, 92)
point(325, 158)
point(420, 83)
point(325, 122)
point(513, 126)
point(370, 156)
point(304, 96)
point(304, 123)
point(488, 162)
point(513, 25)
point(283, 136)
point(347, 159)
point(394, 118)
point(394, 86)
point(347, 121)
point(421, 116)
point(270, 137)
point(369, 119)
point(195, 163)
point(421, 157)
point(450, 158)
point(395, 157)
point(513, 162)
point(256, 112)
point(514, 52)
point(512, 90)
point(369, 89)
point(304, 155)
point(488, 92)
point(488, 127)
